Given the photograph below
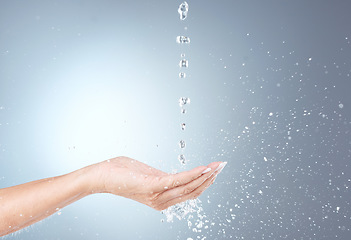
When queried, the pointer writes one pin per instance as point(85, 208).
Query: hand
point(135, 180)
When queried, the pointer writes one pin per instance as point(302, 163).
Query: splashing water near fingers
point(180, 210)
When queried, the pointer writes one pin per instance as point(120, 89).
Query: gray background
point(269, 83)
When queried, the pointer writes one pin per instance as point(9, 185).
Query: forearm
point(25, 204)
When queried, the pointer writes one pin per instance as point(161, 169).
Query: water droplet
point(270, 114)
point(182, 55)
point(182, 144)
point(183, 10)
point(183, 63)
point(341, 105)
point(183, 39)
point(183, 101)
point(183, 126)
point(182, 75)
point(183, 111)
point(182, 159)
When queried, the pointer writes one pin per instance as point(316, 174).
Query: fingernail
point(221, 166)
point(207, 170)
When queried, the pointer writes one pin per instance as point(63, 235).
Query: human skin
point(25, 204)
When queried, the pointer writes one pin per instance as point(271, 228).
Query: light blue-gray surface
point(269, 83)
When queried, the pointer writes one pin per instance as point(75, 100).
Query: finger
point(213, 180)
point(184, 198)
point(196, 192)
point(174, 180)
point(187, 188)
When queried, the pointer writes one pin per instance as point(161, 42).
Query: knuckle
point(155, 201)
point(171, 181)
point(154, 198)
point(175, 183)
point(186, 191)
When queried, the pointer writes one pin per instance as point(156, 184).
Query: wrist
point(85, 179)
point(91, 179)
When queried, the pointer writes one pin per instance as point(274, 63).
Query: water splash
point(180, 210)
point(183, 39)
point(182, 75)
point(182, 159)
point(182, 144)
point(183, 10)
point(183, 63)
point(183, 101)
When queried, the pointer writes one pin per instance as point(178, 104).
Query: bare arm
point(25, 204)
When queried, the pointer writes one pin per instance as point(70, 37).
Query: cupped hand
point(132, 179)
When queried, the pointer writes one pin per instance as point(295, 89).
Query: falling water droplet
point(182, 159)
point(183, 126)
point(182, 144)
point(183, 63)
point(183, 10)
point(183, 39)
point(183, 101)
point(182, 75)
point(341, 105)
point(183, 111)
point(182, 55)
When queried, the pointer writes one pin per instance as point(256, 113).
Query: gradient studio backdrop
point(269, 82)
